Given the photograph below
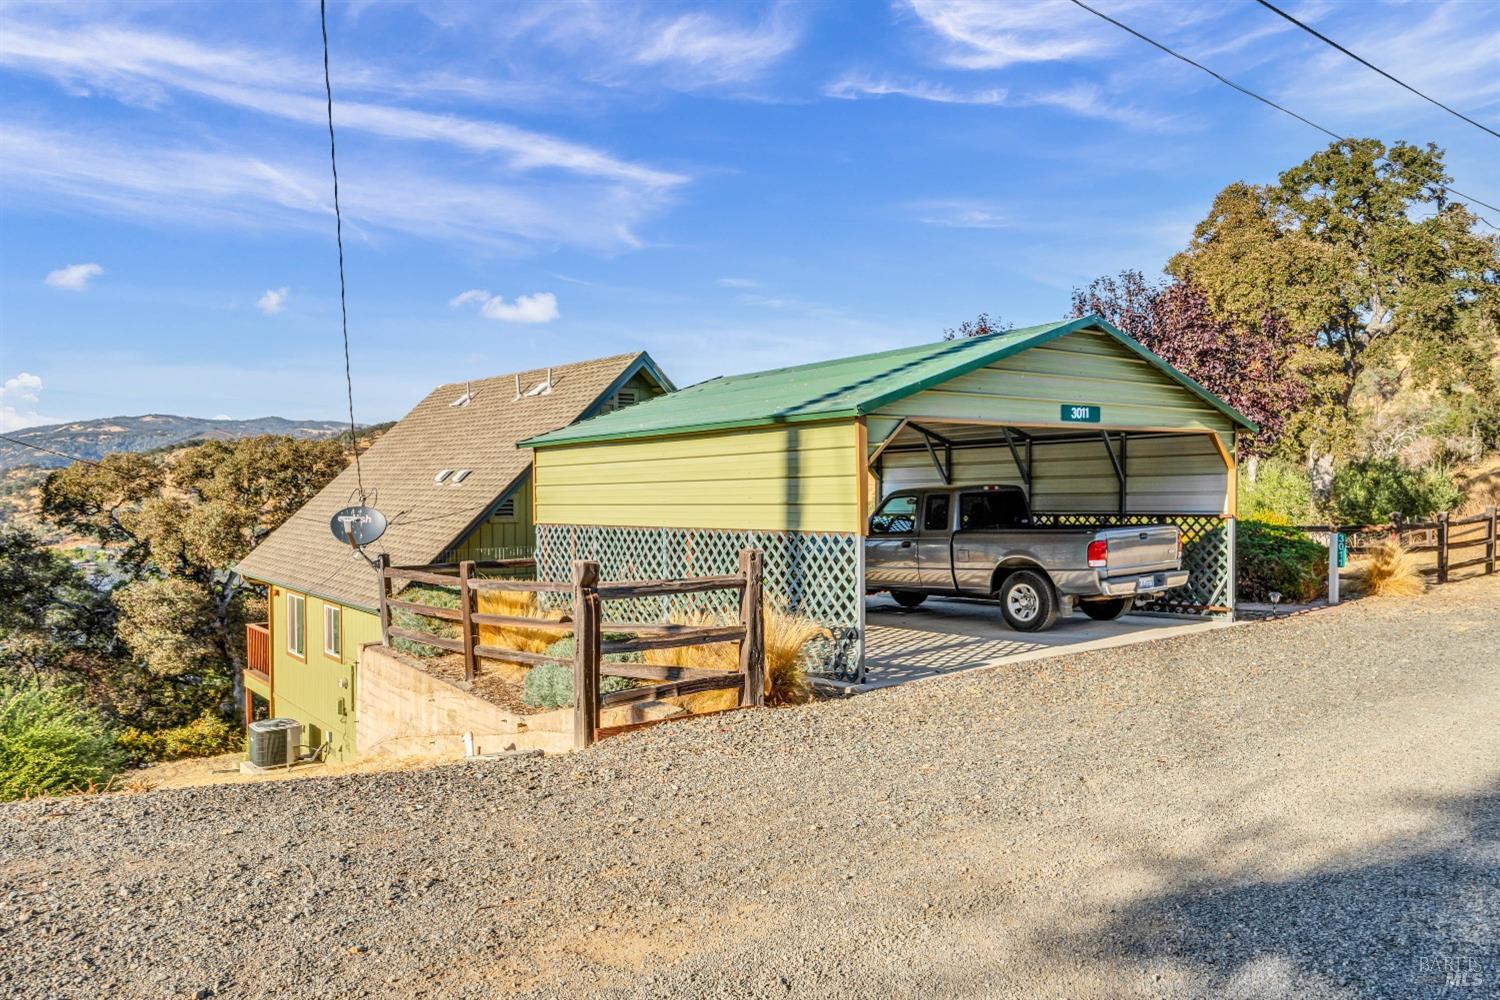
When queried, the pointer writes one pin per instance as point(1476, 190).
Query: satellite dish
point(357, 525)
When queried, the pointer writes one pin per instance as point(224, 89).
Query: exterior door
point(890, 549)
point(934, 566)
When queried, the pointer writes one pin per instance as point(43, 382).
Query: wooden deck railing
point(258, 649)
point(588, 628)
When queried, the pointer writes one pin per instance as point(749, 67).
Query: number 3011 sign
point(1078, 413)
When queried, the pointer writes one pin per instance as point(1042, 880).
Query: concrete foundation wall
point(404, 711)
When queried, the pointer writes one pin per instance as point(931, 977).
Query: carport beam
point(1023, 469)
point(1115, 461)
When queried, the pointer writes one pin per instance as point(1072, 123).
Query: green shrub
point(1281, 494)
point(1370, 490)
point(50, 742)
point(550, 685)
point(438, 597)
point(1276, 557)
point(206, 736)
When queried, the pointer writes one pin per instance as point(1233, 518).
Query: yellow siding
point(1086, 367)
point(319, 692)
point(800, 477)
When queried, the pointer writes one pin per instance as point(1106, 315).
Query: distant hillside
point(97, 438)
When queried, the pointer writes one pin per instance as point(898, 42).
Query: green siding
point(1086, 367)
point(501, 536)
point(319, 693)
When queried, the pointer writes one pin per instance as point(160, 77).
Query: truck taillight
point(1179, 548)
point(1098, 552)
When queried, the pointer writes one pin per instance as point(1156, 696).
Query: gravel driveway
point(1308, 806)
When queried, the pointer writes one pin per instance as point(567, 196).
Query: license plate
point(1151, 582)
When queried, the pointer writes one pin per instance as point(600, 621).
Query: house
point(453, 485)
point(1094, 426)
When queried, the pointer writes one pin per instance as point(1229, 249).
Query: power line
point(338, 220)
point(63, 454)
point(1365, 62)
point(1286, 111)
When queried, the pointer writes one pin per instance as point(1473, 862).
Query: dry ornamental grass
point(1391, 571)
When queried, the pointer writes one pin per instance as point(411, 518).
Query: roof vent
point(466, 397)
point(542, 388)
point(441, 476)
point(461, 475)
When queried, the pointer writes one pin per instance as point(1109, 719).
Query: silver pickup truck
point(979, 541)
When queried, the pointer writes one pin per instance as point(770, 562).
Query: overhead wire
point(1285, 110)
point(63, 454)
point(338, 220)
point(1365, 62)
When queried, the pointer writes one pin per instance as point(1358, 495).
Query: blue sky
point(730, 187)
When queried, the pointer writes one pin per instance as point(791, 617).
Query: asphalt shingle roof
point(398, 470)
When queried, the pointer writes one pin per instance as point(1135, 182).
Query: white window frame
point(296, 625)
point(333, 628)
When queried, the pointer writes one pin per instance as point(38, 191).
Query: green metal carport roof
point(843, 387)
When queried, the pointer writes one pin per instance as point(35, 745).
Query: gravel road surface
point(1306, 807)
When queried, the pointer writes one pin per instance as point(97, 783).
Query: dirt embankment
point(1308, 806)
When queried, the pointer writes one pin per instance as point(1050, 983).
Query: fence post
point(1442, 547)
point(383, 568)
point(586, 637)
point(753, 645)
point(1489, 541)
point(466, 613)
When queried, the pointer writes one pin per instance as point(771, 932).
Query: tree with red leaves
point(1256, 369)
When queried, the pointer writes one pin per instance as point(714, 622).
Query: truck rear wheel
point(1028, 602)
point(1107, 611)
point(908, 598)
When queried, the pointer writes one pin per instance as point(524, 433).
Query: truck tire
point(1028, 602)
point(908, 598)
point(1107, 611)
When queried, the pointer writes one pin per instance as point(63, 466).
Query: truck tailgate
point(1148, 547)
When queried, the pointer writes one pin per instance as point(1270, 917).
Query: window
point(296, 625)
point(333, 630)
point(897, 516)
point(935, 517)
point(992, 509)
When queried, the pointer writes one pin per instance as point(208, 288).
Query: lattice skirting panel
point(816, 574)
point(1207, 555)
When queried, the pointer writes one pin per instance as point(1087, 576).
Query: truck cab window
point(992, 509)
point(897, 516)
point(935, 517)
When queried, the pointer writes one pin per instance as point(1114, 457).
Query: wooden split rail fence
point(1443, 535)
point(1448, 534)
point(588, 629)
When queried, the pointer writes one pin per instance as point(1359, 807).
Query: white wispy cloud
point(710, 50)
point(540, 307)
point(853, 86)
point(960, 214)
point(526, 187)
point(19, 396)
point(981, 34)
point(190, 186)
point(147, 66)
point(74, 277)
point(273, 301)
point(737, 283)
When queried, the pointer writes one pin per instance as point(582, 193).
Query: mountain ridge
point(93, 439)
